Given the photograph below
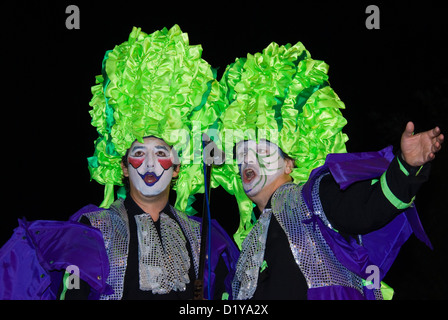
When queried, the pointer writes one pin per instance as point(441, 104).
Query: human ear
point(289, 165)
point(176, 169)
point(125, 169)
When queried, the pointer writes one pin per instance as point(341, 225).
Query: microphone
point(211, 154)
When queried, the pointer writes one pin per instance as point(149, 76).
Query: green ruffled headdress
point(284, 96)
point(158, 85)
point(152, 85)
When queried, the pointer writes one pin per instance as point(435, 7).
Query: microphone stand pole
point(199, 282)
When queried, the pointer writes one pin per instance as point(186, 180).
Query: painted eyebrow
point(162, 147)
point(265, 142)
point(137, 148)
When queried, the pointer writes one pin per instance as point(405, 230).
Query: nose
point(149, 161)
point(250, 157)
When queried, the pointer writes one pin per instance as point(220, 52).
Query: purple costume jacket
point(379, 248)
point(34, 259)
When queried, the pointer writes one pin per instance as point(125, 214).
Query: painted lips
point(150, 178)
point(248, 175)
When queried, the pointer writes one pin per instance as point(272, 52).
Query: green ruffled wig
point(158, 85)
point(152, 85)
point(281, 95)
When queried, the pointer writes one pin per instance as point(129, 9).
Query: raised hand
point(418, 149)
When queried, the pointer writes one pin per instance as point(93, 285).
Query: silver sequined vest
point(312, 254)
point(114, 225)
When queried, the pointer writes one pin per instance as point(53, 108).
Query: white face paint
point(150, 166)
point(259, 164)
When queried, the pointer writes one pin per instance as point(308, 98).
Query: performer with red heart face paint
point(152, 162)
point(138, 246)
point(158, 243)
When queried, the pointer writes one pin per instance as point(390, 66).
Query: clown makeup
point(150, 166)
point(259, 164)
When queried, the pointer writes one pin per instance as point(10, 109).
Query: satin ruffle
point(281, 95)
point(149, 86)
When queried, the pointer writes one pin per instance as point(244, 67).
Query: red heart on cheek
point(136, 162)
point(165, 163)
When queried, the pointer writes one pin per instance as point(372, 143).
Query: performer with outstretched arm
point(324, 218)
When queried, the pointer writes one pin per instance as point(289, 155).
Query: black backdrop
point(385, 77)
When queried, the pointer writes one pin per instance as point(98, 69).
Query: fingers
point(435, 132)
point(437, 145)
point(437, 141)
point(409, 131)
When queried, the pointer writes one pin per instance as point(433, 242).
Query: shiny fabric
point(164, 262)
point(349, 167)
point(334, 293)
point(222, 246)
point(113, 224)
point(114, 227)
point(251, 258)
point(314, 257)
point(283, 95)
point(380, 247)
point(150, 85)
point(35, 258)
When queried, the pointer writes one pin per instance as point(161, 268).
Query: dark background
point(385, 77)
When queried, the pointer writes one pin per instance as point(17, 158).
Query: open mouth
point(150, 178)
point(248, 175)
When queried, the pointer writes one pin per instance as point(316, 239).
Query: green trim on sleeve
point(397, 203)
point(419, 171)
point(264, 265)
point(402, 168)
point(64, 284)
point(386, 291)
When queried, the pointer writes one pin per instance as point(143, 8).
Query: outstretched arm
point(418, 149)
point(368, 205)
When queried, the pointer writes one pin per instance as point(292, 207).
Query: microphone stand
point(208, 160)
